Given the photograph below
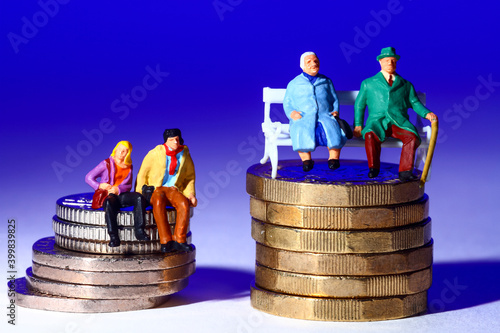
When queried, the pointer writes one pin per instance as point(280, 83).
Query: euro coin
point(333, 241)
point(342, 286)
point(32, 299)
point(347, 186)
point(345, 264)
point(338, 309)
point(340, 218)
point(47, 253)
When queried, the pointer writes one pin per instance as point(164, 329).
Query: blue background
point(67, 68)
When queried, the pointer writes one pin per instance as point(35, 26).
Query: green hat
point(388, 52)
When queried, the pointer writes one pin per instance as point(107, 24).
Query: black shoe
point(185, 247)
point(333, 164)
point(406, 176)
point(141, 235)
point(373, 172)
point(307, 165)
point(169, 247)
point(114, 241)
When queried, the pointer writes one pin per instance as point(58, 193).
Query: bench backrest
point(346, 97)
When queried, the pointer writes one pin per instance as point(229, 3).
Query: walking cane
point(430, 152)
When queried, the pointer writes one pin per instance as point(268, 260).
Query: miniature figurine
point(115, 176)
point(388, 97)
point(312, 106)
point(167, 172)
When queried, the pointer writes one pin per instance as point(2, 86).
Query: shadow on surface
point(213, 283)
point(455, 286)
point(462, 285)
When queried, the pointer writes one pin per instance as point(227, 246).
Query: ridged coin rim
point(342, 286)
point(335, 309)
point(317, 192)
point(340, 218)
point(346, 264)
point(334, 241)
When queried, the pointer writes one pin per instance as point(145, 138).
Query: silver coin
point(89, 246)
point(77, 208)
point(95, 232)
point(100, 233)
point(46, 252)
point(33, 299)
point(113, 278)
point(103, 292)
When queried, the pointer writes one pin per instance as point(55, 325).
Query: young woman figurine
point(115, 177)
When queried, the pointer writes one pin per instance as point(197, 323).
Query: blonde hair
point(128, 145)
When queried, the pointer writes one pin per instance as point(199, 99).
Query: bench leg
point(421, 156)
point(273, 154)
point(266, 152)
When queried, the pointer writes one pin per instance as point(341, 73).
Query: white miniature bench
point(278, 134)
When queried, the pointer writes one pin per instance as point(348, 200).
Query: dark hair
point(170, 133)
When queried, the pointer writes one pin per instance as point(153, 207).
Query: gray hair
point(303, 56)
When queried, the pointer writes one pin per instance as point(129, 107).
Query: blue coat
point(316, 104)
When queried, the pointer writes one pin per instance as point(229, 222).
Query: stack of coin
point(77, 271)
point(337, 245)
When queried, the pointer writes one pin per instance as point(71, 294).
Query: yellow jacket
point(153, 167)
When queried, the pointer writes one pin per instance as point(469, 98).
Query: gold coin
point(338, 309)
point(345, 264)
point(342, 286)
point(347, 186)
point(332, 241)
point(340, 218)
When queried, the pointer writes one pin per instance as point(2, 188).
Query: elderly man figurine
point(388, 97)
point(168, 172)
point(312, 106)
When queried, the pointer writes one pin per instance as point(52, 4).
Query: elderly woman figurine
point(312, 106)
point(115, 176)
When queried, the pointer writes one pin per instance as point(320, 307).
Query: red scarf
point(173, 157)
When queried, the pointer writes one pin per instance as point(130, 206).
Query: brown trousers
point(410, 145)
point(163, 196)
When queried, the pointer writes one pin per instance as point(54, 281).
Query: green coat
point(387, 105)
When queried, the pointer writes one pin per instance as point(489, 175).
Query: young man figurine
point(388, 97)
point(168, 172)
point(311, 104)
